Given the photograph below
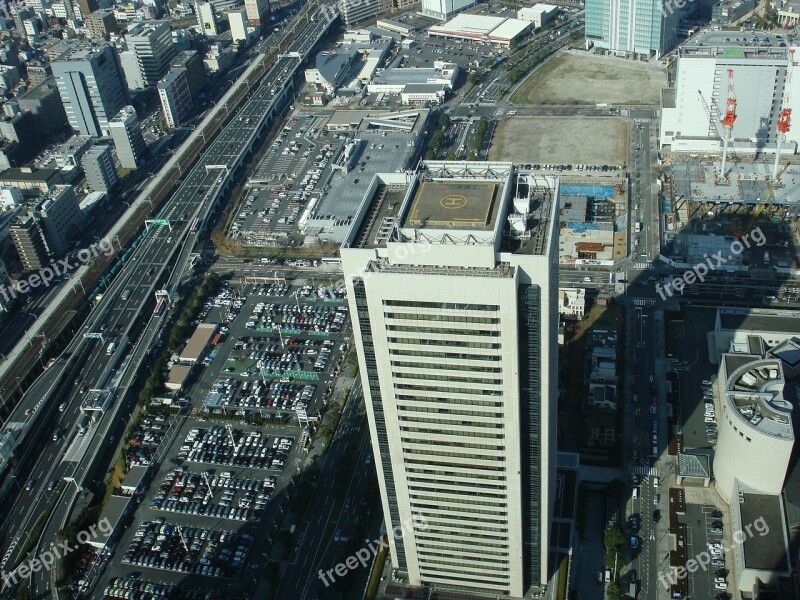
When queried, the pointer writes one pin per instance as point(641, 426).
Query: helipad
point(457, 205)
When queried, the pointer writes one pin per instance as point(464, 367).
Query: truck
point(110, 348)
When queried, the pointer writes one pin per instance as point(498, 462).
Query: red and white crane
point(728, 120)
point(785, 118)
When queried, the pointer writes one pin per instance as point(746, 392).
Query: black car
point(717, 514)
point(721, 573)
point(656, 516)
point(717, 524)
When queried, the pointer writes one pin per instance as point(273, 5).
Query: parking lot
point(291, 177)
point(158, 544)
point(706, 533)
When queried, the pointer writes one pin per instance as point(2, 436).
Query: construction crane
point(785, 118)
point(723, 134)
point(728, 120)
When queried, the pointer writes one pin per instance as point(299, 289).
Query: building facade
point(445, 9)
point(91, 87)
point(453, 292)
point(98, 165)
point(631, 27)
point(176, 99)
point(29, 242)
point(100, 24)
point(206, 18)
point(257, 12)
point(151, 45)
point(191, 63)
point(60, 218)
point(127, 135)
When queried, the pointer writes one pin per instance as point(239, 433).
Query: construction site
point(727, 170)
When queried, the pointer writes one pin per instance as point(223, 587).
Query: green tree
point(613, 538)
point(444, 121)
point(452, 156)
point(613, 592)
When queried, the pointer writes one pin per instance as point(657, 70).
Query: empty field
point(561, 140)
point(587, 79)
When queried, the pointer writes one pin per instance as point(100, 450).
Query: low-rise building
point(538, 14)
point(572, 302)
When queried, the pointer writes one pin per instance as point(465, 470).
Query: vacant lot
point(561, 140)
point(586, 79)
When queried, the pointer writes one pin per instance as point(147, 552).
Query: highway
point(158, 262)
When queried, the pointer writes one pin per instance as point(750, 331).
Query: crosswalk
point(644, 301)
point(641, 266)
point(644, 471)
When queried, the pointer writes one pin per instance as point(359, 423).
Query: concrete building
point(257, 12)
point(150, 42)
point(197, 344)
point(452, 285)
point(631, 28)
point(730, 11)
point(32, 181)
point(10, 197)
point(237, 20)
point(101, 175)
point(572, 302)
point(206, 18)
point(191, 63)
point(100, 24)
point(38, 72)
point(29, 242)
point(91, 87)
point(86, 7)
point(333, 68)
point(424, 94)
point(176, 99)
point(538, 14)
point(9, 78)
point(355, 11)
point(60, 218)
point(394, 80)
point(44, 103)
point(219, 58)
point(759, 74)
point(445, 9)
point(498, 31)
point(127, 135)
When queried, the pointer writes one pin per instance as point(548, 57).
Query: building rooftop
point(779, 321)
point(768, 551)
point(453, 205)
point(735, 44)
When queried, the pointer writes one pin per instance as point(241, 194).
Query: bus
point(159, 306)
point(193, 227)
point(110, 349)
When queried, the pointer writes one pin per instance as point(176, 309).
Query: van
point(655, 482)
point(635, 493)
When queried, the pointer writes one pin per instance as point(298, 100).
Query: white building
point(498, 31)
point(206, 18)
point(453, 292)
point(10, 197)
point(445, 9)
point(759, 76)
point(756, 436)
point(257, 12)
point(394, 80)
point(150, 43)
point(238, 24)
point(572, 302)
point(631, 27)
point(175, 96)
point(128, 140)
point(355, 11)
point(538, 14)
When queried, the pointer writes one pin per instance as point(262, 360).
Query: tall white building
point(128, 140)
point(355, 11)
point(150, 43)
point(445, 9)
point(452, 284)
point(631, 27)
point(760, 81)
point(206, 18)
point(238, 24)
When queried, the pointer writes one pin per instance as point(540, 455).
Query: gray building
point(44, 102)
point(452, 281)
point(191, 63)
point(98, 165)
point(91, 87)
point(127, 135)
point(29, 242)
point(176, 99)
point(60, 218)
point(150, 50)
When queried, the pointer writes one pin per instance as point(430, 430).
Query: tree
point(613, 538)
point(444, 121)
point(452, 156)
point(613, 592)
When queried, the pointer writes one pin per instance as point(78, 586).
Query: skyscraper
point(91, 87)
point(150, 42)
point(128, 140)
point(452, 285)
point(632, 27)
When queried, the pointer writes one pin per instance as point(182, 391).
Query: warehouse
point(493, 30)
point(198, 343)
